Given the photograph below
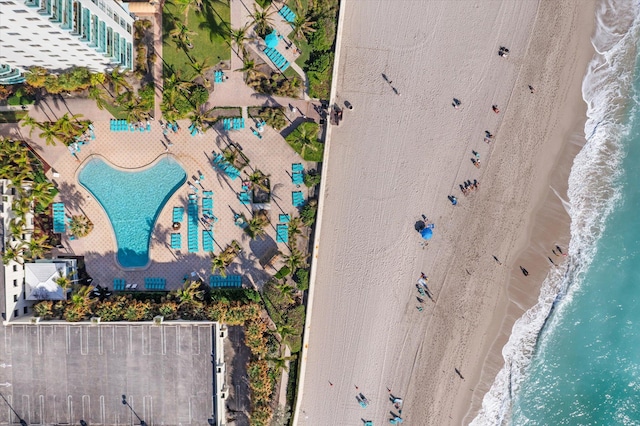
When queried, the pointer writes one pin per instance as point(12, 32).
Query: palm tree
point(295, 260)
point(101, 293)
point(201, 69)
point(182, 35)
point(256, 226)
point(239, 36)
point(295, 228)
point(190, 294)
point(260, 180)
point(200, 117)
point(42, 193)
point(134, 110)
point(262, 20)
point(70, 126)
point(117, 81)
point(63, 281)
point(218, 265)
point(30, 121)
point(96, 94)
point(49, 133)
point(36, 247)
point(12, 253)
point(36, 76)
point(80, 226)
point(302, 27)
point(274, 117)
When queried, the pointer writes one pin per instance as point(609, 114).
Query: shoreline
point(547, 225)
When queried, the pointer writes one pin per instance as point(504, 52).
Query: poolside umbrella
point(271, 40)
point(426, 233)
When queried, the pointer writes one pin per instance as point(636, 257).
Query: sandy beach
point(396, 157)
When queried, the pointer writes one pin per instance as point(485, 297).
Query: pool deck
point(271, 154)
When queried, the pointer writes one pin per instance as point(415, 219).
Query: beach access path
point(395, 158)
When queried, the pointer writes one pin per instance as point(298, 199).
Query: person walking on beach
point(459, 374)
point(495, 109)
point(496, 259)
point(524, 272)
point(531, 89)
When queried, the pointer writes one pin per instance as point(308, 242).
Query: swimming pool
point(132, 199)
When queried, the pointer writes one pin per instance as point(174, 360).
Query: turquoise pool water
point(133, 199)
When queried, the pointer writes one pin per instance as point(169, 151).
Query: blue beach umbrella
point(426, 233)
point(271, 40)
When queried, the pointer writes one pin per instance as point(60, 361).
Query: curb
point(316, 237)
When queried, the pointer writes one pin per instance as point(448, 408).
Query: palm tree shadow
point(70, 196)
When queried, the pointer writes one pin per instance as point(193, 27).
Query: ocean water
point(132, 199)
point(574, 358)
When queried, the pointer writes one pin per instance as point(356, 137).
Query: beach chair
point(284, 218)
point(148, 127)
point(297, 178)
point(207, 240)
point(176, 241)
point(282, 233)
point(178, 214)
point(59, 218)
point(297, 167)
point(192, 226)
point(297, 199)
point(285, 66)
point(244, 198)
point(119, 284)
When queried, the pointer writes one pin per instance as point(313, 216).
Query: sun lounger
point(119, 284)
point(284, 218)
point(207, 240)
point(297, 199)
point(282, 233)
point(155, 283)
point(297, 167)
point(178, 214)
point(59, 218)
point(297, 178)
point(230, 281)
point(244, 198)
point(192, 226)
point(176, 241)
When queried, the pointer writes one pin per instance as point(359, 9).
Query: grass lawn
point(304, 141)
point(210, 43)
point(116, 111)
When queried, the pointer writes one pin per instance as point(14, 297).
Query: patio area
point(132, 150)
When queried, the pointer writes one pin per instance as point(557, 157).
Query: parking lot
point(62, 373)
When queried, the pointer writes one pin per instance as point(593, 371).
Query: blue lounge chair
point(207, 240)
point(155, 283)
point(178, 214)
point(284, 218)
point(59, 218)
point(176, 241)
point(297, 199)
point(244, 198)
point(218, 281)
point(118, 284)
point(297, 178)
point(192, 226)
point(297, 167)
point(282, 233)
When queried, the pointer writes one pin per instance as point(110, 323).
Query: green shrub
point(312, 178)
point(302, 279)
point(308, 213)
point(283, 272)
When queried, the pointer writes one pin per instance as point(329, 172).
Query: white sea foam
point(592, 195)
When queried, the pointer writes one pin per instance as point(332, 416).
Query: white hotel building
point(60, 34)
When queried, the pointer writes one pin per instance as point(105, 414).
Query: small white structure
point(41, 279)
